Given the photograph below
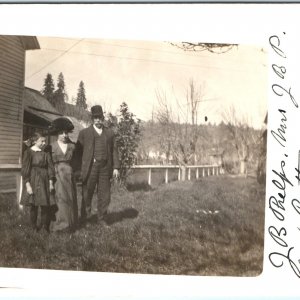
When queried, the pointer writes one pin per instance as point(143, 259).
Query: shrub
point(127, 133)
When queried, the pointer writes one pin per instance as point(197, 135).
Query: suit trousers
point(99, 176)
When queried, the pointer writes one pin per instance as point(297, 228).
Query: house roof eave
point(30, 42)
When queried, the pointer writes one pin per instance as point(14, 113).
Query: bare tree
point(180, 130)
point(164, 116)
point(261, 166)
point(242, 136)
point(194, 96)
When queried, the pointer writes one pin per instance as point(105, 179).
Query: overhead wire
point(125, 57)
point(55, 59)
point(156, 50)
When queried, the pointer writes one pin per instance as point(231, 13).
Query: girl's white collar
point(36, 148)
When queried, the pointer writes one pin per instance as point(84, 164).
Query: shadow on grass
point(138, 186)
point(115, 217)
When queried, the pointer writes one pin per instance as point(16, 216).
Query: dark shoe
point(45, 229)
point(52, 211)
point(93, 219)
point(35, 228)
point(102, 224)
point(52, 217)
point(81, 223)
point(67, 230)
point(89, 225)
point(103, 217)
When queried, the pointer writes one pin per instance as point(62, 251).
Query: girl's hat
point(61, 124)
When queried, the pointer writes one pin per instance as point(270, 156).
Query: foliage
point(127, 133)
point(48, 88)
point(60, 95)
point(81, 98)
point(61, 83)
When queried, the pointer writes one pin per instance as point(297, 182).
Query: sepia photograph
point(133, 156)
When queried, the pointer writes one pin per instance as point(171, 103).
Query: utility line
point(165, 51)
point(147, 49)
point(150, 49)
point(55, 59)
point(136, 48)
point(128, 58)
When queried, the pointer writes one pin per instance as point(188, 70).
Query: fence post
point(213, 170)
point(167, 175)
point(197, 173)
point(208, 173)
point(149, 176)
point(203, 171)
point(179, 174)
point(189, 174)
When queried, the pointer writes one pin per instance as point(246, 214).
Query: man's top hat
point(97, 111)
point(61, 124)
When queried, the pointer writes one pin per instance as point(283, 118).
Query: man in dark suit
point(99, 163)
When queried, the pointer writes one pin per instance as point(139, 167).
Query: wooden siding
point(7, 181)
point(10, 185)
point(12, 64)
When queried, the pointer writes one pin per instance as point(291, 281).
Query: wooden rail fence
point(200, 170)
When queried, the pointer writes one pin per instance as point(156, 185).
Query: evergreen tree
point(60, 94)
point(48, 89)
point(81, 98)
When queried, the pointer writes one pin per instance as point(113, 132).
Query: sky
point(114, 71)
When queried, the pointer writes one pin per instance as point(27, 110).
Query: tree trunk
point(243, 167)
point(195, 159)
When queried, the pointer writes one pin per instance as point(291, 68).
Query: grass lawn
point(212, 226)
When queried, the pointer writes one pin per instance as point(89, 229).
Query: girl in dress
point(65, 186)
point(38, 179)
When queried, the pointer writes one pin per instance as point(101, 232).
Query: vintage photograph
point(131, 156)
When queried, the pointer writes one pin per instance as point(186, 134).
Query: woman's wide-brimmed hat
point(61, 124)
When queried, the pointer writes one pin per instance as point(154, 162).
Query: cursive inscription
point(278, 201)
point(275, 44)
point(281, 91)
point(296, 205)
point(293, 265)
point(280, 134)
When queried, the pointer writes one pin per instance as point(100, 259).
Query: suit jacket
point(85, 150)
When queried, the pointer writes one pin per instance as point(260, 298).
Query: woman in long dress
point(63, 150)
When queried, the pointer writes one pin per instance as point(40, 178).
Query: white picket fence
point(200, 170)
